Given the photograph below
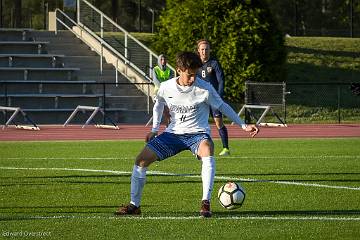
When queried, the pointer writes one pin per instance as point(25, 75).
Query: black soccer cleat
point(129, 209)
point(205, 209)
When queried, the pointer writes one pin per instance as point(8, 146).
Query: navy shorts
point(169, 144)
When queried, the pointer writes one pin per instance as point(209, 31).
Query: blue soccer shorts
point(169, 144)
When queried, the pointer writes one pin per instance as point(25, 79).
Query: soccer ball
point(231, 195)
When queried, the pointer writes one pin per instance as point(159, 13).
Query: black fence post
point(1, 13)
point(351, 20)
point(339, 104)
point(6, 102)
point(104, 91)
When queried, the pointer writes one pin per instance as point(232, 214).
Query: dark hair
point(188, 60)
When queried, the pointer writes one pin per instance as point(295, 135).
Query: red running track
point(75, 132)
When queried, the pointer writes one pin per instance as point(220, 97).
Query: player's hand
point(252, 129)
point(150, 136)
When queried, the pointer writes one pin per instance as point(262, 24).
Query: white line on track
point(273, 218)
point(159, 173)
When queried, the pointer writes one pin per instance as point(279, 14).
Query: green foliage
point(243, 34)
point(30, 13)
point(316, 18)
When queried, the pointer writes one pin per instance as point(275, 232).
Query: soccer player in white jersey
point(188, 99)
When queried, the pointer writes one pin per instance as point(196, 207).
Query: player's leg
point(206, 153)
point(218, 118)
point(166, 115)
point(163, 146)
point(138, 179)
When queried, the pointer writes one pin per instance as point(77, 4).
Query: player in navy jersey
point(211, 72)
point(189, 99)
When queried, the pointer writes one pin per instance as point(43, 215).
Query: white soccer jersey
point(188, 106)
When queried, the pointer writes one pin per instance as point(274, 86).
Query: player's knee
point(206, 148)
point(145, 158)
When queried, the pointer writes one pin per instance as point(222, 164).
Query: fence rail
point(306, 102)
point(333, 102)
point(330, 102)
point(61, 97)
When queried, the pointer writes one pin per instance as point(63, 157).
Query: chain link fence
point(322, 102)
point(302, 102)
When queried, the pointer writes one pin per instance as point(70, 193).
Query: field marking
point(183, 157)
point(160, 173)
point(273, 218)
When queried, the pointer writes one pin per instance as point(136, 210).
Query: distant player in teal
point(211, 72)
point(161, 72)
point(189, 99)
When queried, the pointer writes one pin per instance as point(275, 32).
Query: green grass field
point(296, 189)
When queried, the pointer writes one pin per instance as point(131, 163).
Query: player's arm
point(157, 115)
point(231, 114)
point(216, 102)
point(220, 78)
point(154, 79)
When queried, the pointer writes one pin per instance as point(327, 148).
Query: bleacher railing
point(69, 23)
point(55, 96)
point(114, 37)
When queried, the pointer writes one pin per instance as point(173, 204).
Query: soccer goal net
point(265, 103)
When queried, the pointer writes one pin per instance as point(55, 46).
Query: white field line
point(230, 157)
point(284, 218)
point(159, 173)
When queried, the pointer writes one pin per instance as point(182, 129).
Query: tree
point(244, 36)
point(17, 13)
point(114, 9)
point(316, 18)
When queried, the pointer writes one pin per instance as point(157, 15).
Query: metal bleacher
point(47, 75)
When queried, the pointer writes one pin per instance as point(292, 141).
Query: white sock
point(138, 179)
point(207, 176)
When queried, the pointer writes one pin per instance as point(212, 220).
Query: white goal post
point(265, 97)
point(259, 122)
point(94, 110)
point(16, 111)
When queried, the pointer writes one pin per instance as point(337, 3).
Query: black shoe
point(205, 209)
point(129, 209)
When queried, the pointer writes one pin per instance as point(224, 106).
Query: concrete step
point(102, 78)
point(60, 38)
point(68, 87)
point(53, 103)
point(59, 101)
point(59, 117)
point(69, 49)
point(19, 73)
point(60, 34)
point(15, 34)
point(23, 49)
